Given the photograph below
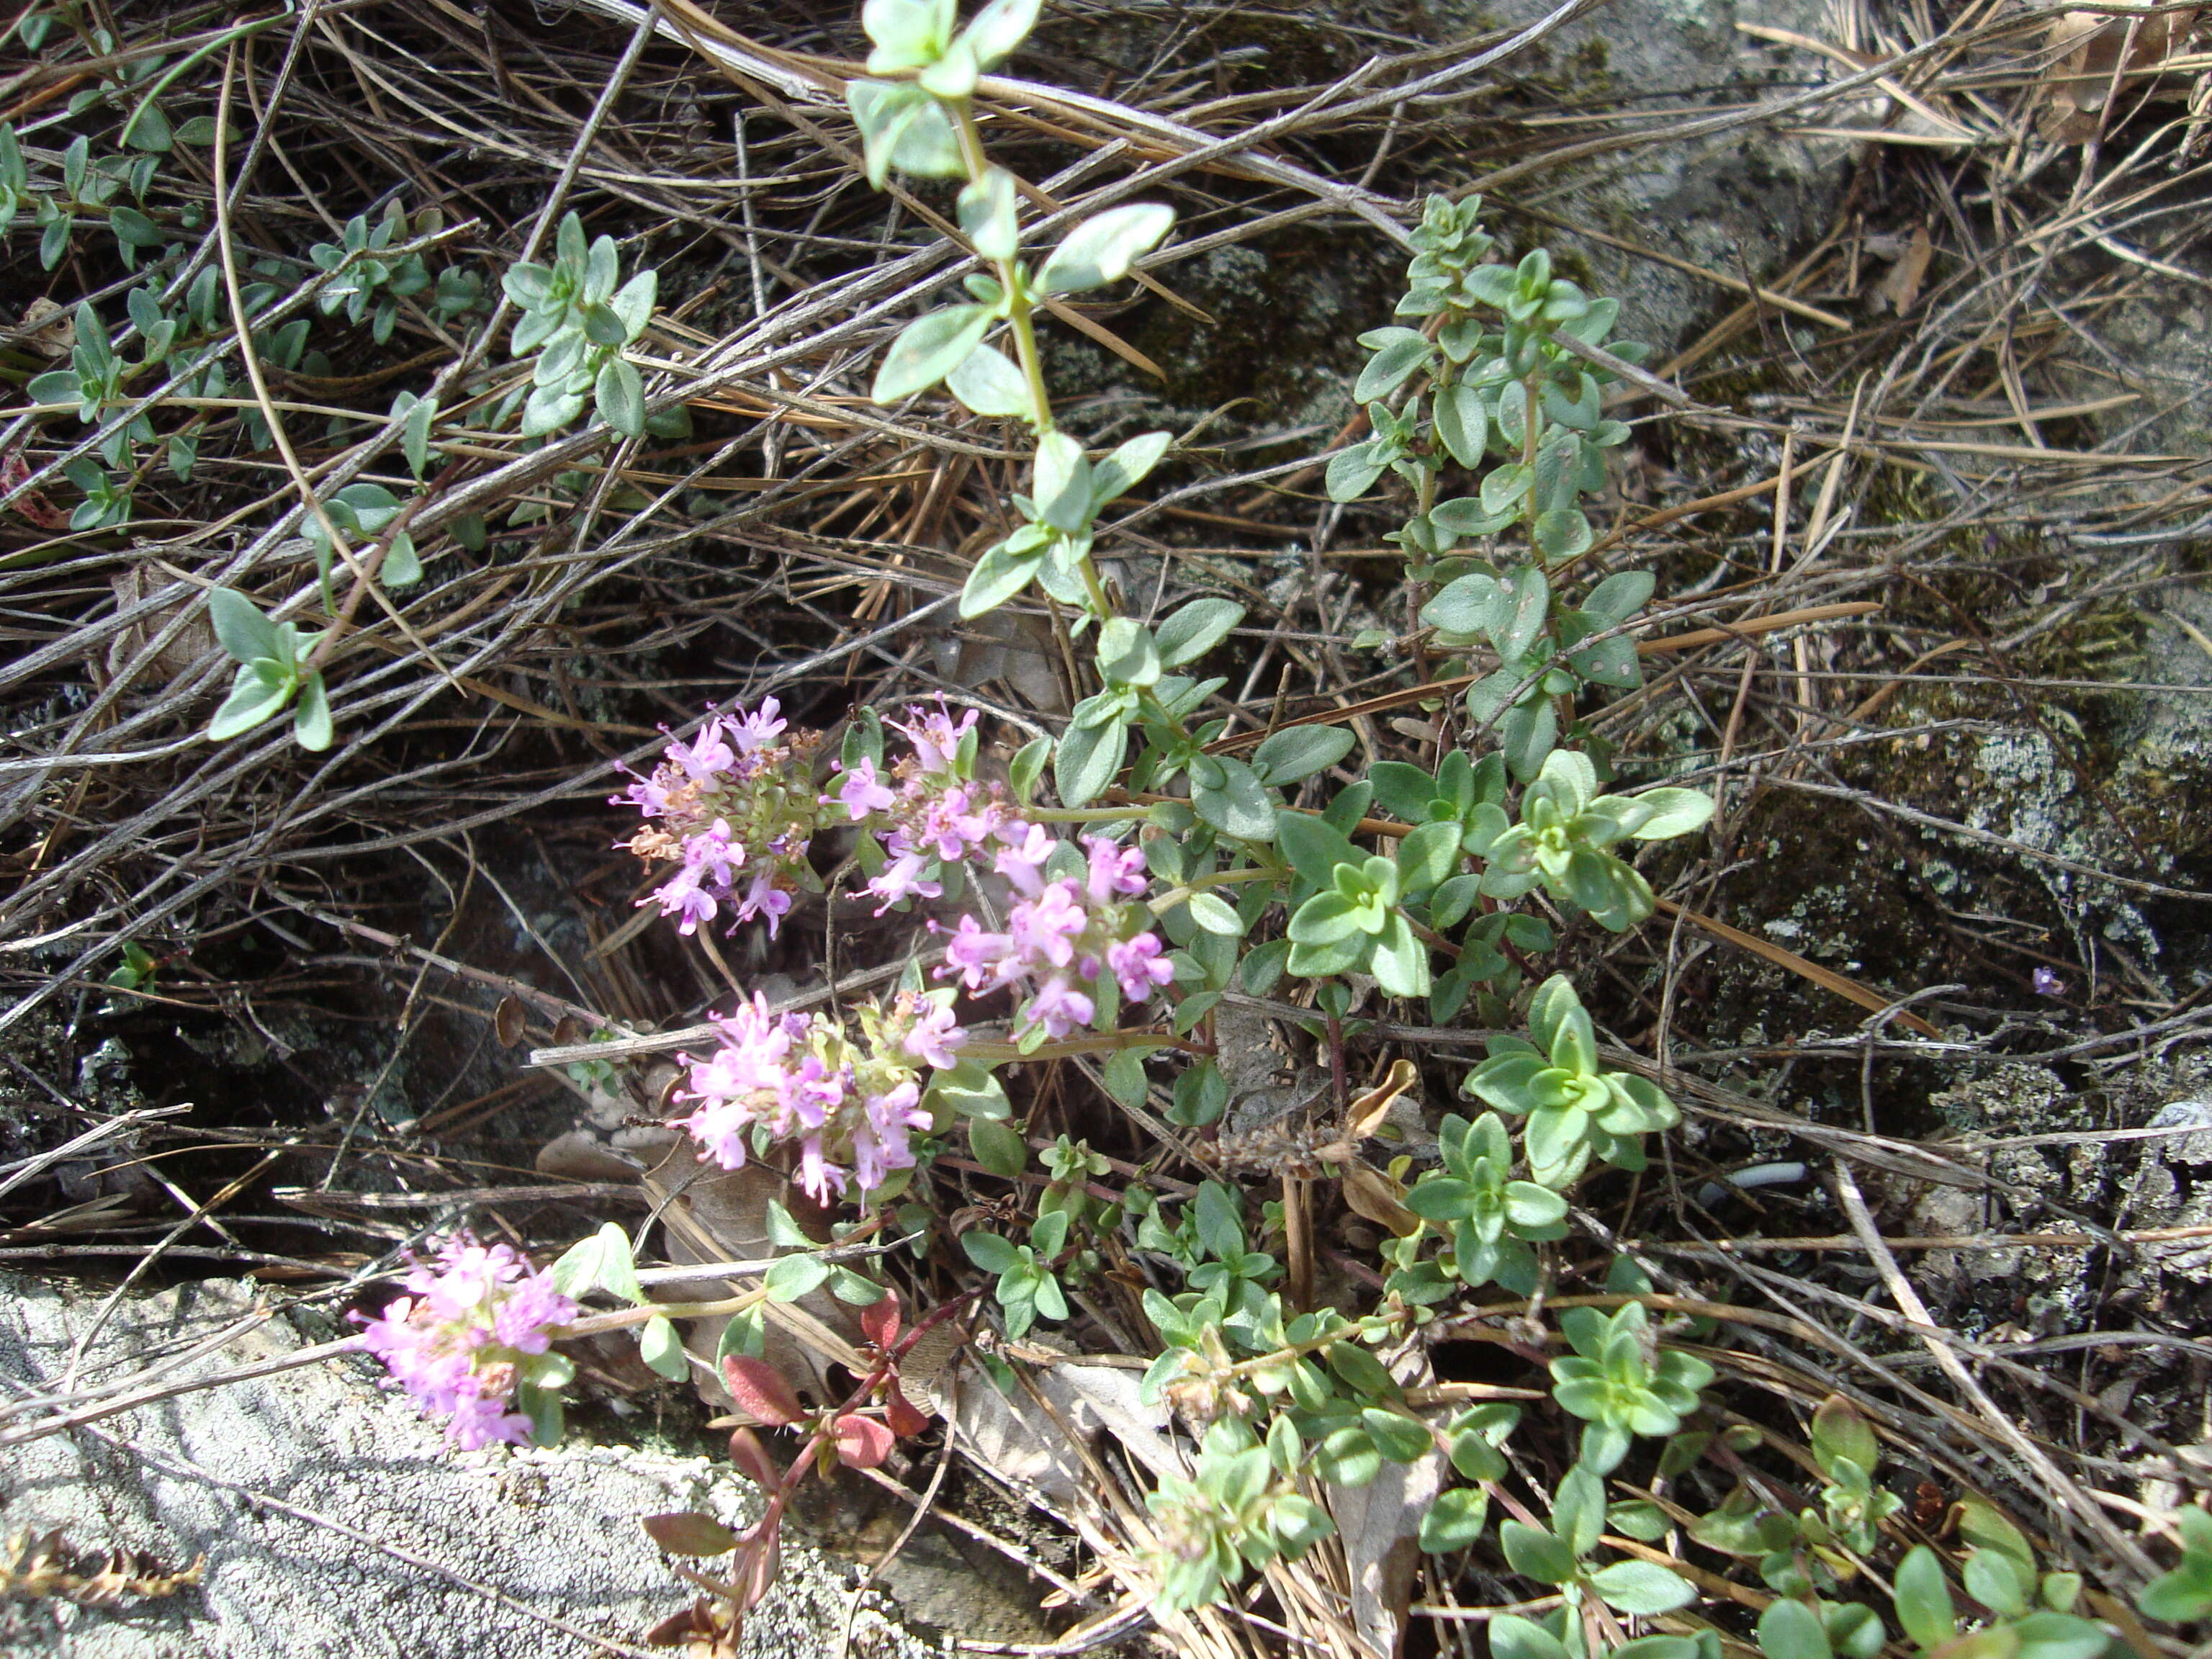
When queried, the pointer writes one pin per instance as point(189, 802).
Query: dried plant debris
point(39, 1566)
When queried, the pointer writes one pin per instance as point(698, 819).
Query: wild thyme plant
point(1228, 877)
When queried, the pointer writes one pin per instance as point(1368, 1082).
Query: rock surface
point(387, 1542)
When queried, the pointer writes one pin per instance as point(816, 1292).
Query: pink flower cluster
point(735, 809)
point(1063, 935)
point(851, 1107)
point(938, 816)
point(476, 1323)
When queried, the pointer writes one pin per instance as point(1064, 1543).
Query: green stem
point(1021, 319)
point(1020, 315)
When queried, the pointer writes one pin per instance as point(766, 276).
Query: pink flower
point(735, 809)
point(935, 1035)
point(860, 793)
point(1042, 927)
point(1059, 1007)
point(650, 796)
point(758, 730)
point(936, 736)
point(1116, 871)
point(1023, 862)
point(707, 757)
point(463, 1340)
point(881, 1141)
point(984, 961)
point(823, 1181)
point(848, 1110)
point(903, 878)
point(765, 898)
point(1138, 964)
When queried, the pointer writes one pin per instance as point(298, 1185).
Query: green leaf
point(2060, 1636)
point(415, 434)
point(1238, 805)
point(1643, 1587)
point(2182, 1594)
point(1099, 251)
point(1463, 424)
point(1399, 1439)
point(927, 349)
point(997, 576)
point(1400, 961)
point(1512, 1637)
point(1313, 846)
point(241, 628)
point(988, 1251)
point(260, 690)
point(1464, 605)
point(620, 395)
point(148, 129)
point(903, 126)
point(311, 717)
point(1216, 915)
point(601, 1262)
point(1579, 1509)
point(1790, 1630)
point(659, 1346)
point(987, 215)
point(1455, 1520)
point(1128, 466)
point(998, 1148)
point(1525, 608)
point(1923, 1599)
point(990, 383)
point(993, 32)
point(1127, 655)
point(1124, 1075)
point(907, 33)
point(1673, 812)
point(1219, 1217)
point(1618, 597)
point(1981, 1524)
point(1994, 1579)
point(1428, 857)
point(1352, 471)
point(1087, 759)
point(133, 229)
point(1063, 484)
point(968, 1091)
point(1536, 1554)
point(794, 1276)
point(200, 129)
point(1296, 752)
point(1195, 629)
point(1398, 353)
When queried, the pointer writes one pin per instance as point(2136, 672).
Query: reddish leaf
point(761, 1390)
point(880, 1322)
point(757, 1572)
point(862, 1442)
point(752, 1459)
point(686, 1532)
point(899, 1414)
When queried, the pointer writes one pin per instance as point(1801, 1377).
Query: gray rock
point(390, 1543)
point(1740, 204)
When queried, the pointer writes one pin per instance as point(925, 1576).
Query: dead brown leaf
point(1900, 286)
point(2097, 54)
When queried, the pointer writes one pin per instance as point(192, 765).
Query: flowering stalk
point(474, 1334)
point(938, 816)
point(1076, 938)
point(735, 809)
point(851, 1107)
